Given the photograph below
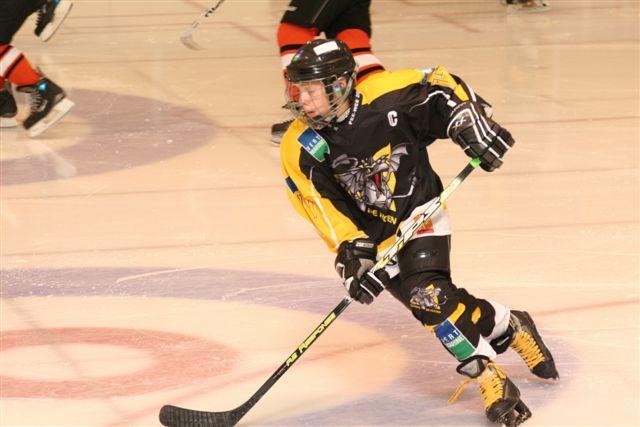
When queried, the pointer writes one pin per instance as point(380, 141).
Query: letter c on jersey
point(393, 118)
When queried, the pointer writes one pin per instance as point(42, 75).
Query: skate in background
point(48, 102)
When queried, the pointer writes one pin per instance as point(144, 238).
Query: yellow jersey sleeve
point(310, 189)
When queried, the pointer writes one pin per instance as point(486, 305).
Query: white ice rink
point(150, 255)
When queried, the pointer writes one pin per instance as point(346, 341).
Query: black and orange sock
point(360, 45)
point(15, 67)
point(290, 38)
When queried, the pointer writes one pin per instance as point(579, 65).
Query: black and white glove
point(354, 260)
point(478, 135)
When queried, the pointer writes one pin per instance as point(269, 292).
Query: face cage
point(337, 98)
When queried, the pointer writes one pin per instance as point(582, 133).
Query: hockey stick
point(174, 416)
point(187, 36)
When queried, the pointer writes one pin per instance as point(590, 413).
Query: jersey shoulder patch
point(314, 144)
point(299, 137)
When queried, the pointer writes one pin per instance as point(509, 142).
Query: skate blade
point(58, 112)
point(508, 419)
point(61, 12)
point(8, 122)
point(523, 413)
point(188, 41)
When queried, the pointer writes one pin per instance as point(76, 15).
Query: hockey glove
point(353, 262)
point(478, 135)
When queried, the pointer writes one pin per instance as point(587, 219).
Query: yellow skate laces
point(490, 383)
point(528, 349)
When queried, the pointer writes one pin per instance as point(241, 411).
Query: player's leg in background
point(296, 28)
point(353, 26)
point(48, 101)
point(12, 15)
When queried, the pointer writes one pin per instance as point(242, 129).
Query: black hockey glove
point(478, 135)
point(353, 262)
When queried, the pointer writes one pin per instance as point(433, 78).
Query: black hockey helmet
point(327, 61)
point(319, 59)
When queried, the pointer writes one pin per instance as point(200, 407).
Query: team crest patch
point(427, 298)
point(314, 144)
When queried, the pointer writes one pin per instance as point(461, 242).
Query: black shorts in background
point(13, 13)
point(329, 16)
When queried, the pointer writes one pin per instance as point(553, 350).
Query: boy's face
point(314, 99)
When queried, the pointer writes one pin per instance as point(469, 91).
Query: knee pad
point(425, 254)
point(424, 271)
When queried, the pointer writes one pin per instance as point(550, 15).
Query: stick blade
point(174, 416)
point(188, 41)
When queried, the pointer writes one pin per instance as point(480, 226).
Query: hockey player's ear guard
point(330, 63)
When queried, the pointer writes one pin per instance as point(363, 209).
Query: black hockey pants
point(424, 286)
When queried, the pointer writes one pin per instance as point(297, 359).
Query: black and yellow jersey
point(366, 174)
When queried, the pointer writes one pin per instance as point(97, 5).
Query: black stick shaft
point(304, 345)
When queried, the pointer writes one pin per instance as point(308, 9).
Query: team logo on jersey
point(371, 181)
point(427, 298)
point(314, 144)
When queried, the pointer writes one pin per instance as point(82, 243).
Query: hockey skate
point(8, 108)
point(527, 342)
point(519, 6)
point(500, 396)
point(50, 17)
point(278, 130)
point(48, 105)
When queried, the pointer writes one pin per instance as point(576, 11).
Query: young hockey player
point(48, 101)
point(347, 20)
point(356, 165)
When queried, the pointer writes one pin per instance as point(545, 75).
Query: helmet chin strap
point(335, 118)
point(338, 90)
point(331, 122)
